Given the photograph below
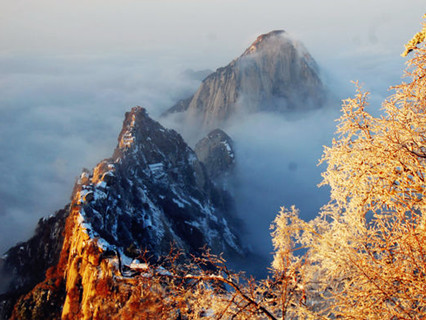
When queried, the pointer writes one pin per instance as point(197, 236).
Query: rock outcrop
point(216, 152)
point(152, 192)
point(276, 73)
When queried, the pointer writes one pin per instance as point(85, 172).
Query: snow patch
point(104, 245)
point(179, 203)
point(136, 264)
point(127, 140)
point(101, 184)
point(163, 272)
point(230, 237)
point(125, 260)
point(98, 194)
point(228, 148)
point(154, 167)
point(192, 157)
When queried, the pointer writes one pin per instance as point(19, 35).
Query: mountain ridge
point(151, 193)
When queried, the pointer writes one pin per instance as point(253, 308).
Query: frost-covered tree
point(367, 250)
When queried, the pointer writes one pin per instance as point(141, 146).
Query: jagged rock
point(216, 153)
point(276, 73)
point(153, 191)
point(161, 193)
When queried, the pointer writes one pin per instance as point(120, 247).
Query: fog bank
point(69, 71)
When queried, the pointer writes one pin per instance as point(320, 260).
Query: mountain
point(276, 73)
point(216, 152)
point(152, 192)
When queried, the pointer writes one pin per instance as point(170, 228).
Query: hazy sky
point(70, 69)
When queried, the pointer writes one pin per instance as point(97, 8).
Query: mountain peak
point(151, 193)
point(275, 74)
point(145, 139)
point(126, 137)
point(216, 152)
point(260, 41)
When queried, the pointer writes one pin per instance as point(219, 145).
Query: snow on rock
point(139, 266)
point(154, 195)
point(156, 167)
point(149, 194)
point(152, 192)
point(179, 203)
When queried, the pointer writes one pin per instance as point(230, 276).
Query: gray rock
point(216, 153)
point(276, 73)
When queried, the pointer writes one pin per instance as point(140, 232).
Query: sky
point(70, 69)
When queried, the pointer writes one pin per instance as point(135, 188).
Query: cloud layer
point(70, 70)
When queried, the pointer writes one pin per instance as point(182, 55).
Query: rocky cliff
point(276, 73)
point(153, 191)
point(216, 152)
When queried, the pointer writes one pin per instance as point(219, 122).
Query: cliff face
point(153, 191)
point(275, 73)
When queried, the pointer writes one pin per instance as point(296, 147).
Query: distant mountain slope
point(276, 73)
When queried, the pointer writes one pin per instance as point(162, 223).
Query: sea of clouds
point(69, 72)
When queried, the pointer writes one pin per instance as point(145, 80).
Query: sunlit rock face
point(276, 73)
point(152, 192)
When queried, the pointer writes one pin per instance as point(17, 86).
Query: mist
point(59, 115)
point(70, 70)
point(277, 165)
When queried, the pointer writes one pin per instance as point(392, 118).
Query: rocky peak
point(145, 138)
point(216, 152)
point(152, 192)
point(25, 265)
point(275, 74)
point(260, 41)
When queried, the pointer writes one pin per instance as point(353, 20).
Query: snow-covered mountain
point(152, 192)
point(276, 73)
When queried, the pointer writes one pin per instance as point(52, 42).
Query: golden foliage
point(206, 289)
point(418, 38)
point(371, 251)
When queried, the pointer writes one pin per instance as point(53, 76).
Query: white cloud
point(71, 69)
